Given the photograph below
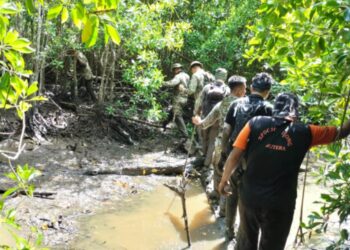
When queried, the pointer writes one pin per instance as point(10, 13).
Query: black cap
point(262, 81)
point(286, 105)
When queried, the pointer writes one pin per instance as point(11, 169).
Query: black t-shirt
point(242, 110)
point(275, 152)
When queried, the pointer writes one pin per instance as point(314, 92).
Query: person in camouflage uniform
point(239, 113)
point(203, 107)
point(179, 85)
point(198, 80)
point(237, 85)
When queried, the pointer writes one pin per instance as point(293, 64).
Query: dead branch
point(138, 171)
point(138, 121)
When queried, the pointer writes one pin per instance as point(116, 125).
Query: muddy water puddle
point(154, 221)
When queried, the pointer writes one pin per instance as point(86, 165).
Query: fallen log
point(43, 195)
point(138, 121)
point(138, 171)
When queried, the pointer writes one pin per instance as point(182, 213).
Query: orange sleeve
point(242, 139)
point(322, 134)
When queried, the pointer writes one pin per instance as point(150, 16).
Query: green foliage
point(219, 36)
point(15, 91)
point(90, 16)
point(147, 34)
point(308, 41)
point(22, 178)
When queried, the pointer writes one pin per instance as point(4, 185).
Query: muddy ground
point(82, 143)
point(79, 194)
point(77, 143)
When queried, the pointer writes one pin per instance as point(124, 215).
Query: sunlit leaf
point(113, 33)
point(30, 7)
point(33, 88)
point(90, 31)
point(64, 15)
point(54, 11)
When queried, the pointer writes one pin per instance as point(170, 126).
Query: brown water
point(154, 221)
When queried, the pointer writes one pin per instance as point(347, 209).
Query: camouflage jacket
point(198, 80)
point(179, 79)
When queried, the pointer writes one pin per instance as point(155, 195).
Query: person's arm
point(210, 119)
point(230, 166)
point(228, 127)
point(234, 158)
point(173, 82)
point(322, 135)
point(225, 137)
point(199, 102)
point(192, 87)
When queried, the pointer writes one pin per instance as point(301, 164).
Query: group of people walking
point(255, 148)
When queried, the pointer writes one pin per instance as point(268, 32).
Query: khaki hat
point(221, 74)
point(196, 63)
point(176, 66)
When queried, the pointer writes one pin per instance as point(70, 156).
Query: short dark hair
point(236, 81)
point(262, 82)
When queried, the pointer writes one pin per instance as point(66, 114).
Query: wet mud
point(118, 211)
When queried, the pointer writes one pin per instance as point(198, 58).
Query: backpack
point(244, 111)
point(215, 94)
point(208, 78)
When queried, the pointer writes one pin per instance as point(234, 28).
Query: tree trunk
point(101, 93)
point(38, 45)
point(42, 66)
point(74, 86)
point(111, 74)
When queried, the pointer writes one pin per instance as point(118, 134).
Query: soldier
point(240, 112)
point(237, 85)
point(179, 85)
point(199, 79)
point(211, 94)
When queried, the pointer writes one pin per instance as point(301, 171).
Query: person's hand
point(196, 120)
point(224, 188)
point(182, 88)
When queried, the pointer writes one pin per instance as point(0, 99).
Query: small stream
point(153, 221)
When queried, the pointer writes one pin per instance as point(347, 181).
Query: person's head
point(176, 68)
point(237, 85)
point(195, 66)
point(261, 84)
point(221, 74)
point(286, 106)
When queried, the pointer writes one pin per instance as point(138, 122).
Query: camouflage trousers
point(232, 200)
point(177, 114)
point(208, 139)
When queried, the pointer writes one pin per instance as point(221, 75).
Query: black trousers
point(273, 224)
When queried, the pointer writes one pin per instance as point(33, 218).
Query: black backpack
point(215, 94)
point(244, 111)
